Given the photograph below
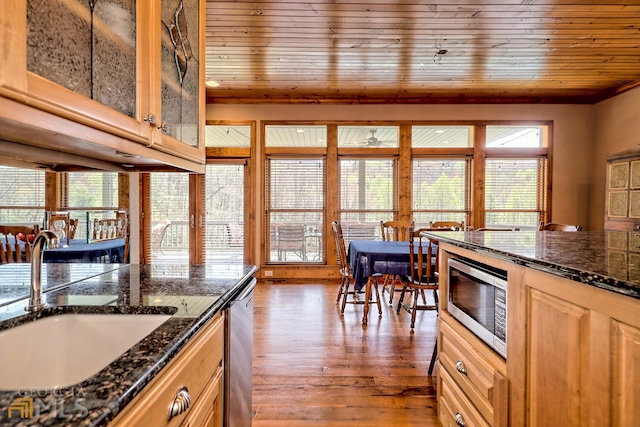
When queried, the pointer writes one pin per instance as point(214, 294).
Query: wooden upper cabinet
point(622, 201)
point(129, 68)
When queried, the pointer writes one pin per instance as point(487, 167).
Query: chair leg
point(400, 301)
point(341, 290)
point(345, 294)
point(433, 357)
point(392, 288)
point(414, 309)
point(375, 285)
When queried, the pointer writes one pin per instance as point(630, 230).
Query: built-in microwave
point(478, 299)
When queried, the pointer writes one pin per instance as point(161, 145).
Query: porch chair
point(291, 238)
point(158, 232)
point(394, 231)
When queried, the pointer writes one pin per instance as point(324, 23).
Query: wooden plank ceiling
point(433, 51)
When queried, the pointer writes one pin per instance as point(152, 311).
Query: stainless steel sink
point(66, 349)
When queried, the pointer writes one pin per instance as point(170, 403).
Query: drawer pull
point(180, 403)
point(461, 368)
point(459, 419)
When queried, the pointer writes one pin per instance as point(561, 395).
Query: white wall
point(573, 137)
point(617, 128)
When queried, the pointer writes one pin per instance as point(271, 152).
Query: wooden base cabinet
point(472, 387)
point(196, 371)
point(580, 354)
point(573, 356)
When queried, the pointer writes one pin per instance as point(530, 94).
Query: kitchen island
point(573, 331)
point(193, 296)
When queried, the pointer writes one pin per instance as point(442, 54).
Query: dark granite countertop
point(192, 294)
point(609, 260)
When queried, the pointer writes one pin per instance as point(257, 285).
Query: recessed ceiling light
point(440, 131)
point(211, 83)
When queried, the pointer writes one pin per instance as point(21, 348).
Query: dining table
point(371, 259)
point(79, 250)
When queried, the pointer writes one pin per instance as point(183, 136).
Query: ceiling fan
point(372, 141)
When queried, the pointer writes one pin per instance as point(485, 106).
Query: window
point(91, 195)
point(368, 137)
point(516, 182)
point(441, 136)
point(440, 190)
point(295, 136)
point(224, 212)
point(514, 136)
point(22, 195)
point(170, 204)
point(229, 136)
point(515, 192)
point(294, 196)
point(367, 196)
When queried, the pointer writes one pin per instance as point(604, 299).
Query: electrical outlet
point(268, 273)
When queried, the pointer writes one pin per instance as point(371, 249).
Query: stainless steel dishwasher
point(238, 363)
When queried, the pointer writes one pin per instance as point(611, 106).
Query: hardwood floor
point(313, 366)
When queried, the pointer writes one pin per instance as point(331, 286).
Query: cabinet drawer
point(480, 381)
point(193, 368)
point(455, 410)
point(207, 412)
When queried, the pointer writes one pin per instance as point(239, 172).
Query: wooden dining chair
point(552, 226)
point(423, 256)
point(455, 225)
point(11, 247)
point(397, 231)
point(347, 294)
point(497, 229)
point(60, 223)
point(394, 231)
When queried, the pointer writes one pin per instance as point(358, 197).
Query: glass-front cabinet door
point(181, 65)
point(130, 68)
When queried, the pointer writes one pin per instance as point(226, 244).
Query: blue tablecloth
point(106, 251)
point(368, 257)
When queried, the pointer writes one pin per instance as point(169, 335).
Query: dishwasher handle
point(247, 291)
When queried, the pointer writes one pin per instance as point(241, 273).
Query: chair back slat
point(395, 230)
point(454, 225)
point(341, 249)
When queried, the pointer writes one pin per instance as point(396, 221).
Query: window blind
point(295, 191)
point(515, 191)
point(440, 190)
point(22, 195)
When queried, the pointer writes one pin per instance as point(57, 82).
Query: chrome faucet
point(44, 239)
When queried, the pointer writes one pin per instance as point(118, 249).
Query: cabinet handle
point(180, 403)
point(459, 419)
point(151, 119)
point(461, 368)
point(163, 127)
